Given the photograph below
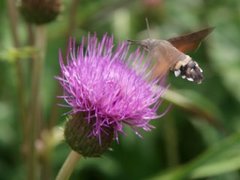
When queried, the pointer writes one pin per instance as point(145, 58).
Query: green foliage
point(221, 158)
point(13, 54)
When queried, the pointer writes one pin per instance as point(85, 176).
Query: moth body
point(167, 57)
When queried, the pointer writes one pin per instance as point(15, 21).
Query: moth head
point(190, 71)
point(146, 44)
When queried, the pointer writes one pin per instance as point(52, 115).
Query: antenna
point(148, 28)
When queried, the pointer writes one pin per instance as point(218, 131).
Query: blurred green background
point(198, 138)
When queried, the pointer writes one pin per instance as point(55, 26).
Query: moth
point(169, 55)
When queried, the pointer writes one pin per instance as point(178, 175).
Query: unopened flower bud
point(78, 134)
point(40, 11)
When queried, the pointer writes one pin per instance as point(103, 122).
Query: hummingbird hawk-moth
point(170, 55)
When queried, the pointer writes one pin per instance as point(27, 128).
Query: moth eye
point(146, 48)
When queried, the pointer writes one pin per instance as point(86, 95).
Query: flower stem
point(13, 17)
point(68, 166)
point(35, 113)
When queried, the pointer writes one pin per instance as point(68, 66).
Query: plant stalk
point(68, 166)
point(35, 104)
point(13, 16)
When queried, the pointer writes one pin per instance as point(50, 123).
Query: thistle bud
point(40, 11)
point(78, 135)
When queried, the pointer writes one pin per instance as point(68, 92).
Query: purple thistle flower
point(110, 87)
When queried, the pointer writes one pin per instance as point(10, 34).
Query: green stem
point(35, 104)
point(68, 166)
point(13, 16)
point(171, 140)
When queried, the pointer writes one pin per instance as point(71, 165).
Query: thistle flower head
point(109, 87)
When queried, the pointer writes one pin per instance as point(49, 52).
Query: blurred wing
point(165, 57)
point(190, 42)
point(160, 69)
